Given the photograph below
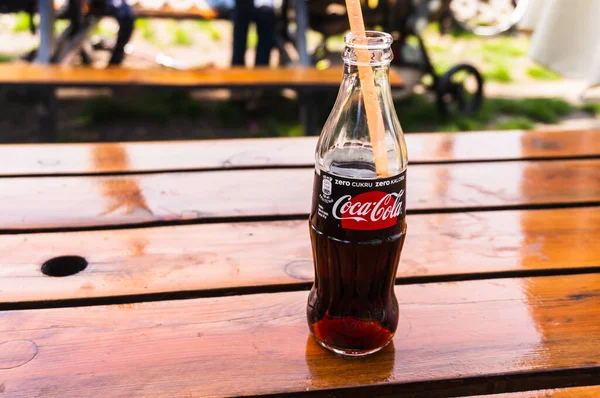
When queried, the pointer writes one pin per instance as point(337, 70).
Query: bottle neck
point(381, 73)
point(372, 51)
point(345, 147)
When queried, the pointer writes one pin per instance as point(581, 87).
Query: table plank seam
point(225, 167)
point(291, 217)
point(282, 288)
point(463, 387)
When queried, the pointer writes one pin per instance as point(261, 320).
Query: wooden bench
point(302, 79)
point(197, 275)
point(167, 11)
point(196, 9)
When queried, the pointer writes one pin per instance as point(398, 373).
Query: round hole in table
point(64, 266)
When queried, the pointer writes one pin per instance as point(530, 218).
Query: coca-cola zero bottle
point(358, 215)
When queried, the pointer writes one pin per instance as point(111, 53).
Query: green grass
point(223, 113)
point(161, 108)
point(101, 30)
point(543, 110)
point(145, 26)
point(278, 116)
point(101, 110)
point(412, 41)
point(181, 37)
point(335, 41)
point(7, 57)
point(158, 108)
point(21, 22)
point(593, 108)
point(209, 27)
point(441, 66)
point(459, 33)
point(60, 26)
point(496, 55)
point(273, 127)
point(436, 48)
point(252, 38)
point(506, 47)
point(498, 73)
point(540, 73)
point(515, 123)
point(499, 59)
point(419, 113)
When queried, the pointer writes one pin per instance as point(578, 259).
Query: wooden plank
point(75, 202)
point(69, 76)
point(167, 11)
point(52, 159)
point(483, 332)
point(264, 256)
point(573, 392)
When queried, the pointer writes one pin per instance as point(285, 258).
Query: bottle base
point(347, 352)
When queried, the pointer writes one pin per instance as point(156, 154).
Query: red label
point(343, 206)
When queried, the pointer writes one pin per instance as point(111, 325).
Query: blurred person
point(74, 14)
point(262, 13)
point(123, 13)
point(119, 9)
point(221, 5)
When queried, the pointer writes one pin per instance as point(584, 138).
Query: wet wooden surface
point(64, 159)
point(496, 295)
point(69, 76)
point(253, 257)
point(573, 392)
point(39, 203)
point(199, 347)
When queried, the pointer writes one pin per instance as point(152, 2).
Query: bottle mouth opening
point(374, 40)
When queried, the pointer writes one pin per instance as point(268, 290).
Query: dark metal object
point(405, 19)
point(452, 94)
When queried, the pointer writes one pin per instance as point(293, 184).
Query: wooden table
point(198, 265)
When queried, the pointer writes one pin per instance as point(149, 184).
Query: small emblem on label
point(327, 187)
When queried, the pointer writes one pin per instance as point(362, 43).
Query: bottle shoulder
point(357, 161)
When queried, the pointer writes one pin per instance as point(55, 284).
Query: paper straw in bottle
point(367, 81)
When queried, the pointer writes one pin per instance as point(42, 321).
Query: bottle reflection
point(565, 309)
point(123, 194)
point(327, 370)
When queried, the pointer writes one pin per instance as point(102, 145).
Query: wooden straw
point(367, 80)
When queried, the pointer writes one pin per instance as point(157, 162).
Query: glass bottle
point(358, 216)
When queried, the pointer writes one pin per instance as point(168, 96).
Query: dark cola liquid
point(352, 308)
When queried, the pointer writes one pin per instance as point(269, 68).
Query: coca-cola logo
point(369, 211)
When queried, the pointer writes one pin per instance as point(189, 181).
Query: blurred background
point(467, 65)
